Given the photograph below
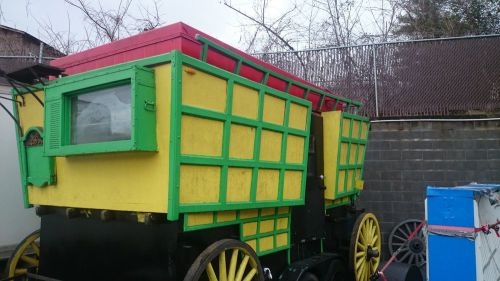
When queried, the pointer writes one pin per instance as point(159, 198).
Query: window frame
point(143, 110)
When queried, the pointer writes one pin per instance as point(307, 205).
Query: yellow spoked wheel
point(365, 247)
point(25, 257)
point(226, 260)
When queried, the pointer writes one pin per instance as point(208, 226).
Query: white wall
point(15, 221)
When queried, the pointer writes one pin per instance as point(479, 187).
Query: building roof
point(31, 37)
point(28, 44)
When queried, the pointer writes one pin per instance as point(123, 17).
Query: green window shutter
point(53, 125)
point(39, 168)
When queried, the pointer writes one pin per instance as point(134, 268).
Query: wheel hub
point(416, 245)
point(371, 253)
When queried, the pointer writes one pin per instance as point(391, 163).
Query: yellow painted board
point(346, 124)
point(364, 130)
point(297, 117)
point(266, 243)
point(350, 179)
point(266, 226)
point(249, 228)
point(241, 142)
point(202, 90)
point(270, 146)
point(282, 223)
point(253, 244)
point(267, 184)
point(31, 114)
point(355, 129)
point(199, 184)
point(97, 181)
point(344, 148)
point(295, 149)
point(361, 153)
point(352, 154)
point(249, 213)
point(195, 219)
point(331, 138)
point(292, 185)
point(239, 182)
point(274, 110)
point(245, 102)
point(266, 212)
point(341, 181)
point(281, 240)
point(200, 136)
point(283, 210)
point(226, 216)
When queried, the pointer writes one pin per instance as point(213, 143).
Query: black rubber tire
point(17, 249)
point(308, 276)
point(211, 252)
point(337, 271)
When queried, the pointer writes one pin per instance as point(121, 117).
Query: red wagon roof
point(180, 36)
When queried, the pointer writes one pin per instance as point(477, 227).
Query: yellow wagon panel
point(344, 139)
point(128, 181)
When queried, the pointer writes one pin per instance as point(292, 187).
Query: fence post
point(374, 55)
point(40, 53)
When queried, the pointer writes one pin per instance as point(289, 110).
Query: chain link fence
point(436, 77)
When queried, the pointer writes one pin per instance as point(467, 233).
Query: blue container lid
point(469, 190)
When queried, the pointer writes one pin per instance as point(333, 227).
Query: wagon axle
point(371, 253)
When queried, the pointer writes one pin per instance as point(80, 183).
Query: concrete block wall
point(403, 158)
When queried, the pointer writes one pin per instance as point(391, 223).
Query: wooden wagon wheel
point(25, 257)
point(365, 247)
point(226, 260)
point(413, 250)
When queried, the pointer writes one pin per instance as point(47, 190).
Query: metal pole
point(40, 54)
point(374, 55)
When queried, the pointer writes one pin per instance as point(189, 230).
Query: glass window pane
point(102, 115)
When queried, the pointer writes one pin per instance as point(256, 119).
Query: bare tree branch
point(101, 24)
point(274, 30)
point(263, 24)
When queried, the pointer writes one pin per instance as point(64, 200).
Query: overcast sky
point(210, 16)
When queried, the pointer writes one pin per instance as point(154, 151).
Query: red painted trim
point(177, 36)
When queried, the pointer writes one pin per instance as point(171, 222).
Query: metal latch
point(149, 105)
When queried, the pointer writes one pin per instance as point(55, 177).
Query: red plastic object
point(177, 36)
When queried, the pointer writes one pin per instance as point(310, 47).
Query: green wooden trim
point(21, 153)
point(226, 135)
point(256, 150)
point(238, 66)
point(144, 62)
point(257, 244)
point(239, 163)
point(175, 134)
point(240, 80)
point(348, 157)
point(306, 154)
point(347, 202)
point(57, 112)
point(224, 161)
point(207, 43)
point(238, 220)
point(274, 233)
point(43, 166)
point(339, 147)
point(368, 127)
point(214, 115)
point(356, 139)
point(347, 193)
point(231, 206)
